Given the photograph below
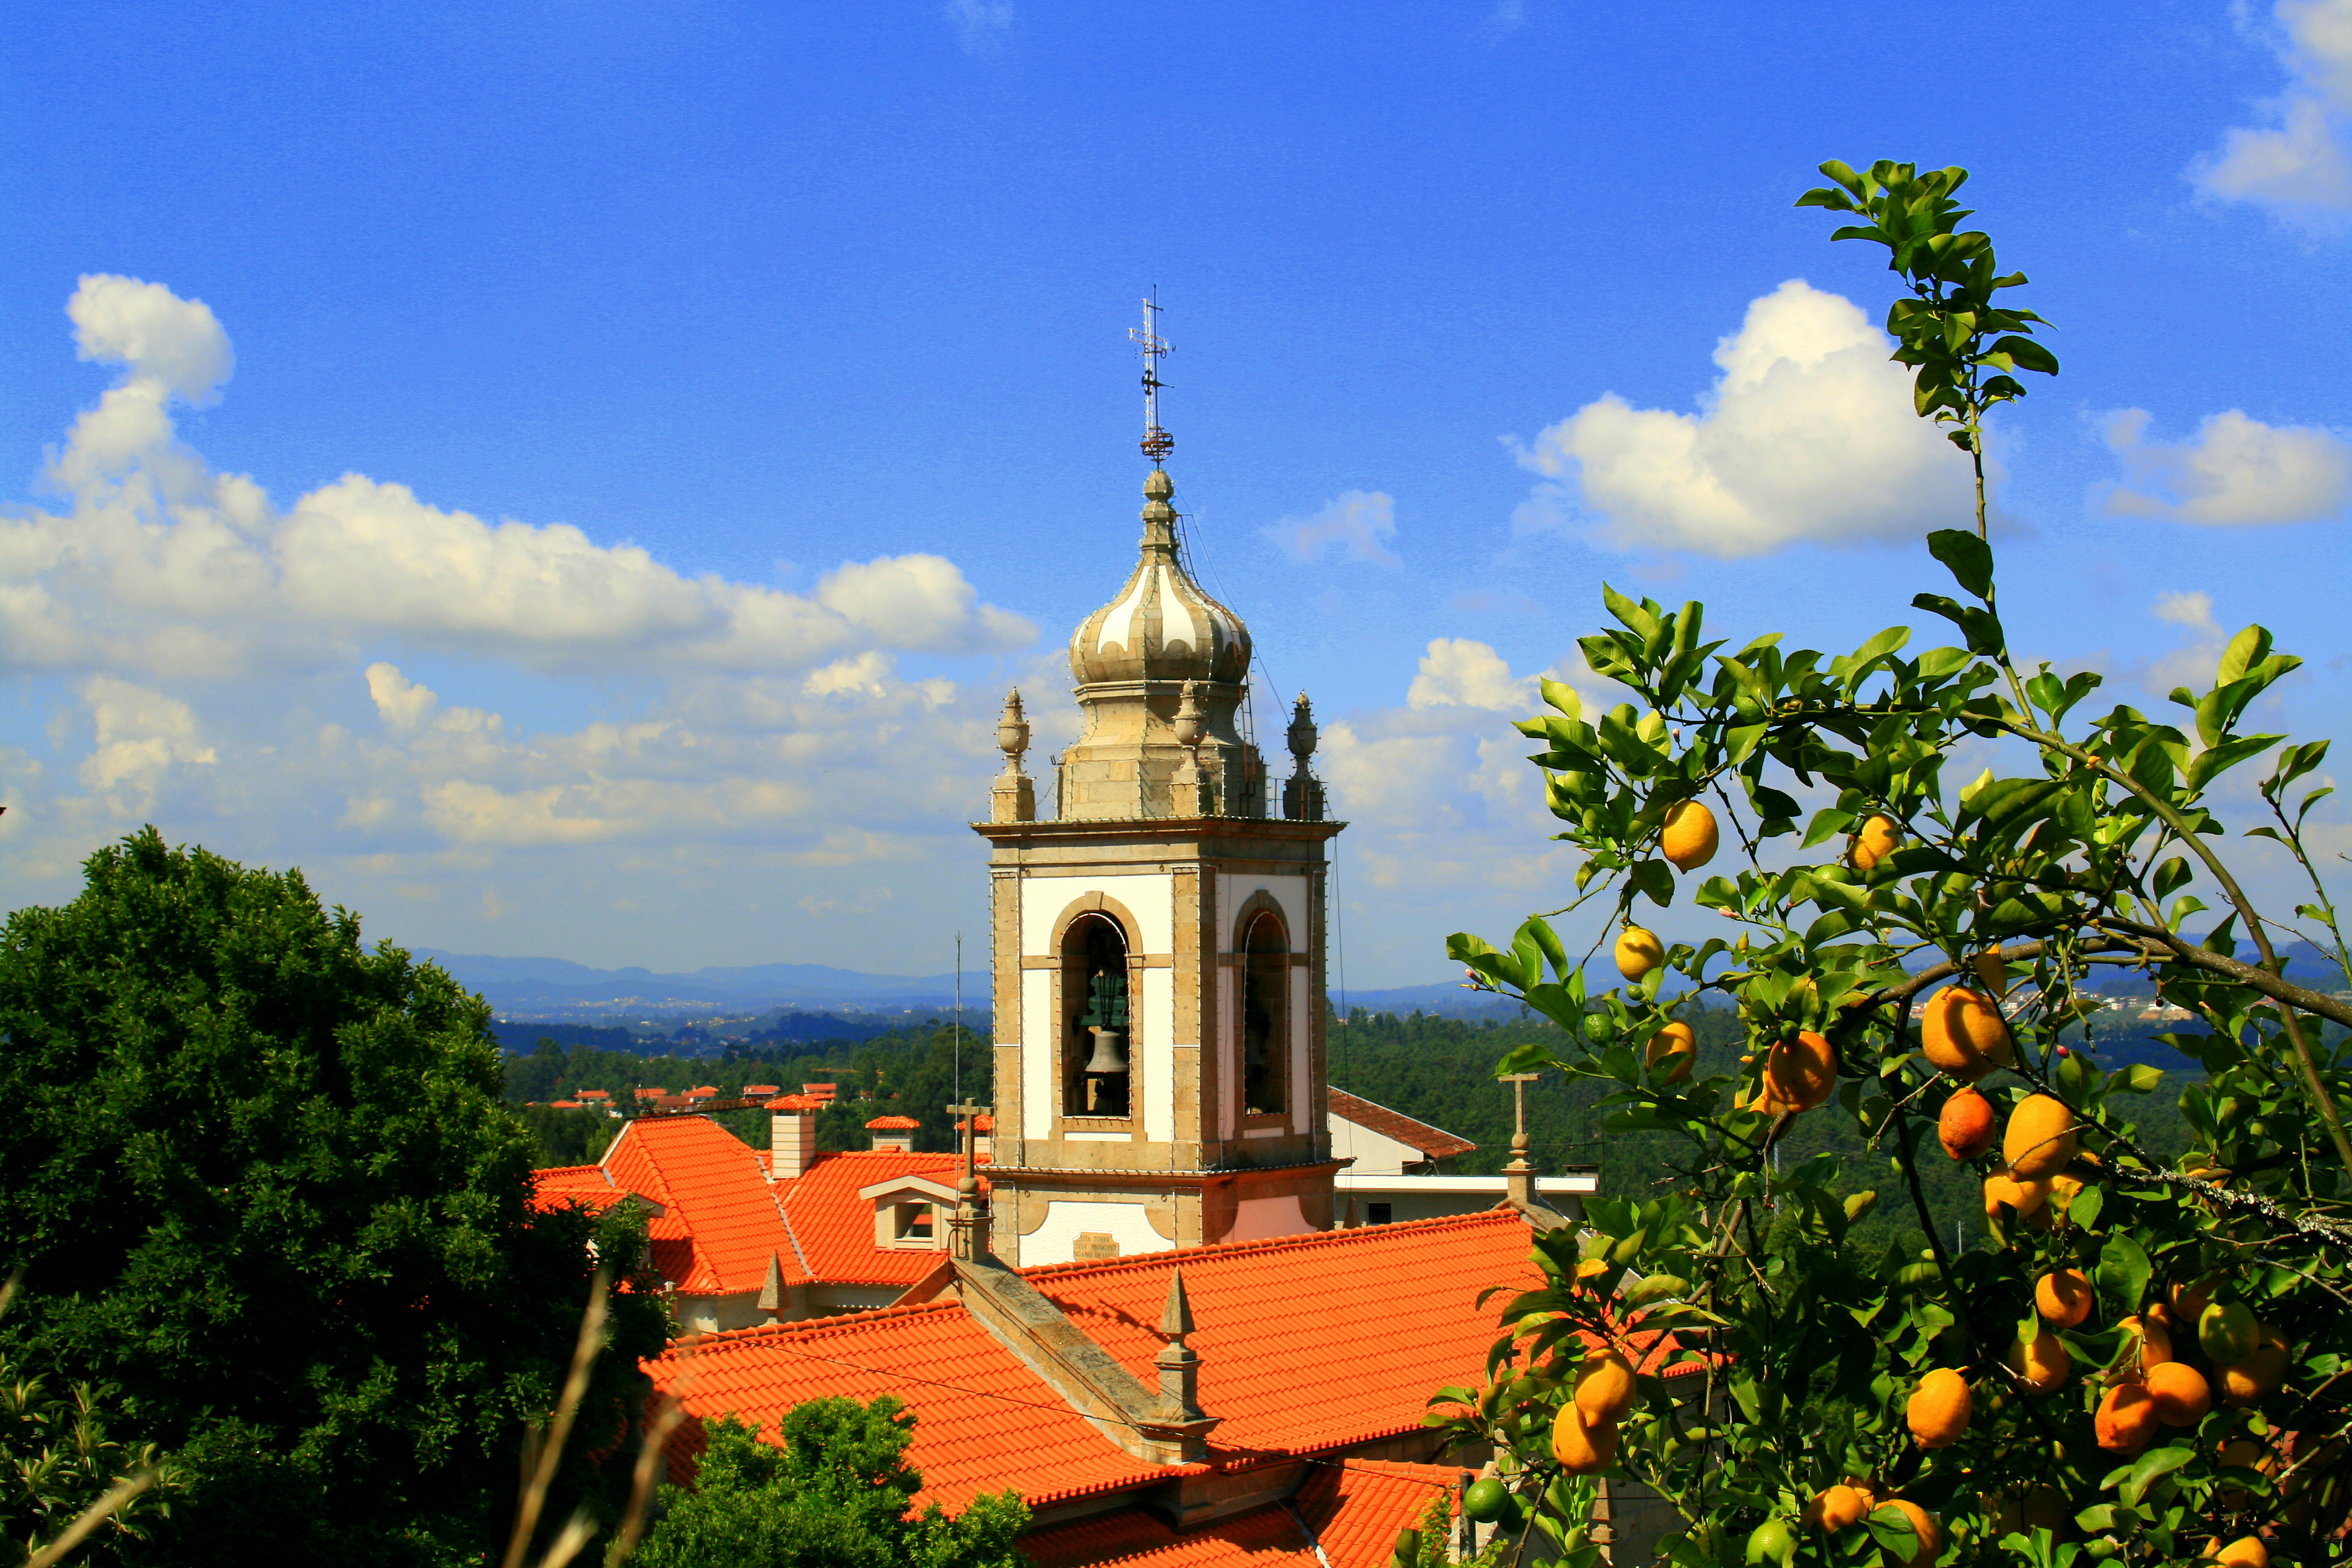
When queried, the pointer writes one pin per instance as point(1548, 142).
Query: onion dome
point(1160, 625)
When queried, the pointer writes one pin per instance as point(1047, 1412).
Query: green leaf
point(2150, 1468)
point(1969, 558)
point(2213, 762)
point(1655, 879)
point(2123, 1272)
point(2027, 354)
point(2248, 648)
point(1563, 697)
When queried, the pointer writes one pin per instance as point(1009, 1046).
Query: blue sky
point(578, 479)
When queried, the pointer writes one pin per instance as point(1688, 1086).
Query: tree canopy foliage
point(2143, 1358)
point(261, 1183)
point(833, 1490)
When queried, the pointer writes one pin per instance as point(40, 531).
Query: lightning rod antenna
point(1157, 443)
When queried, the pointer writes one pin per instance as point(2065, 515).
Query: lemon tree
point(2145, 1360)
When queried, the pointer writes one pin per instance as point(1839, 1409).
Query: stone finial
point(1176, 1317)
point(968, 1237)
point(1179, 1363)
point(1013, 798)
point(1302, 793)
point(1519, 1176)
point(1192, 795)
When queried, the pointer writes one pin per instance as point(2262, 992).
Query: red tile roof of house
point(894, 1123)
point(705, 1091)
point(819, 1091)
point(795, 1102)
point(983, 1424)
point(583, 1186)
point(721, 1223)
point(1353, 1506)
point(594, 1094)
point(1434, 1143)
point(1296, 1332)
point(650, 1093)
point(835, 1227)
point(1307, 1343)
point(760, 1091)
point(563, 1105)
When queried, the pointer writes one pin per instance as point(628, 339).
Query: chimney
point(893, 1134)
point(791, 1137)
point(1179, 1363)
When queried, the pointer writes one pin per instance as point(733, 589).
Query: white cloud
point(141, 736)
point(1460, 673)
point(1807, 435)
point(178, 344)
point(160, 563)
point(2235, 470)
point(2301, 165)
point(1362, 522)
point(981, 24)
point(403, 704)
point(239, 665)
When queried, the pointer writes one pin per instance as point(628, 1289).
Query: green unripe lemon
point(1771, 1541)
point(2228, 1333)
point(1487, 1499)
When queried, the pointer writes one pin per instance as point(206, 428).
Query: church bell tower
point(1157, 938)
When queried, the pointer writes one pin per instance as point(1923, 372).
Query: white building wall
point(1056, 1239)
point(1157, 1058)
point(1374, 1153)
point(1036, 1053)
point(1149, 895)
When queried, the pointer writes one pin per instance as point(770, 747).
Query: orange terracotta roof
point(820, 1091)
point(895, 1123)
point(983, 1423)
point(563, 1105)
point(721, 1224)
point(760, 1091)
point(1397, 1304)
point(583, 1186)
point(835, 1226)
point(1354, 1509)
point(795, 1102)
point(594, 1094)
point(1434, 1143)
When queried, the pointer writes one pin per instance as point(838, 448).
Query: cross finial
point(1518, 1082)
point(967, 1117)
point(1157, 443)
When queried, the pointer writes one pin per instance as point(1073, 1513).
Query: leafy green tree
point(833, 1491)
point(57, 1459)
point(2144, 1359)
point(261, 1182)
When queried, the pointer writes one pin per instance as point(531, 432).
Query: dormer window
point(910, 1213)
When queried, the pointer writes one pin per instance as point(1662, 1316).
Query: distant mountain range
point(556, 988)
point(559, 988)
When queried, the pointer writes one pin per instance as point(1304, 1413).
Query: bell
point(1111, 1050)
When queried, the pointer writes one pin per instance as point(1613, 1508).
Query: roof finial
point(1157, 443)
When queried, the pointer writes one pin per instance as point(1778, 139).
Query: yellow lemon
point(1638, 952)
point(1690, 836)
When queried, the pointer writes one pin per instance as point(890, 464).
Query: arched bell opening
point(1096, 1052)
point(1265, 1017)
